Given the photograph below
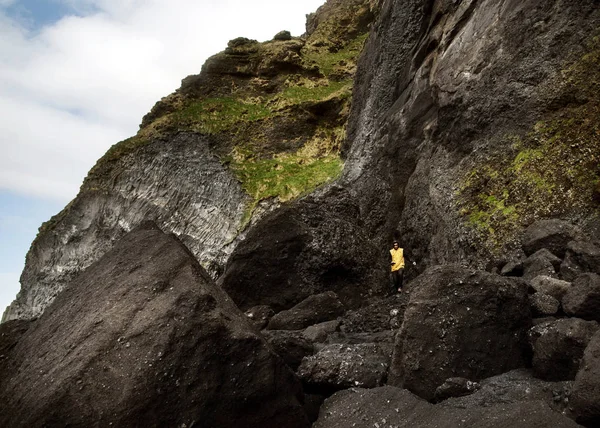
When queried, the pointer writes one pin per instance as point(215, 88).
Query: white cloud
point(71, 90)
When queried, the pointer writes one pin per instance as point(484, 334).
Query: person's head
point(396, 245)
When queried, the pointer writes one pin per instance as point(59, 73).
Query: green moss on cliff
point(551, 171)
point(214, 115)
point(331, 61)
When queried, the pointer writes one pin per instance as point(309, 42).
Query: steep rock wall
point(443, 87)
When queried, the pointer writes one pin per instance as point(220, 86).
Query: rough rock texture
point(460, 323)
point(389, 406)
point(306, 248)
point(291, 346)
point(260, 315)
point(343, 366)
point(313, 310)
point(583, 299)
point(550, 286)
point(455, 387)
point(553, 235)
point(580, 257)
point(516, 386)
point(380, 314)
point(558, 347)
point(586, 389)
point(144, 337)
point(543, 304)
point(541, 263)
point(320, 332)
point(440, 86)
point(512, 268)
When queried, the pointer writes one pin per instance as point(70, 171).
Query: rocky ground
point(145, 336)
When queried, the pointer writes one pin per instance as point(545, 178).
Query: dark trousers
point(396, 279)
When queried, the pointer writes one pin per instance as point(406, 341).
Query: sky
point(77, 76)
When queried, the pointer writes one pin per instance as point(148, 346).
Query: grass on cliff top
point(551, 171)
point(328, 61)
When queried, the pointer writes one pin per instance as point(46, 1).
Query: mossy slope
point(275, 112)
point(554, 170)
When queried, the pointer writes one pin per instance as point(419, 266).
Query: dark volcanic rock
point(581, 257)
point(543, 262)
point(512, 268)
point(313, 310)
point(143, 337)
point(381, 314)
point(343, 366)
point(260, 315)
point(455, 387)
point(550, 286)
point(320, 332)
point(394, 407)
point(543, 304)
point(516, 386)
point(291, 346)
point(460, 323)
point(10, 334)
point(311, 246)
point(586, 389)
point(583, 298)
point(558, 347)
point(553, 235)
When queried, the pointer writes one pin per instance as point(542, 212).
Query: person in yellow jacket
point(397, 256)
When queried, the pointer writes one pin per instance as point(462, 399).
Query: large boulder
point(558, 347)
point(552, 234)
point(581, 257)
point(583, 299)
point(313, 310)
point(307, 247)
point(144, 337)
point(394, 407)
point(340, 366)
point(585, 398)
point(460, 323)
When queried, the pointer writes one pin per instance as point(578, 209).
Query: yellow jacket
point(397, 259)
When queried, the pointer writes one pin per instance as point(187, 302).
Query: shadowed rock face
point(144, 338)
point(439, 87)
point(460, 323)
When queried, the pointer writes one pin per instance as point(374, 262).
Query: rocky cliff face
point(469, 121)
point(473, 134)
point(261, 125)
